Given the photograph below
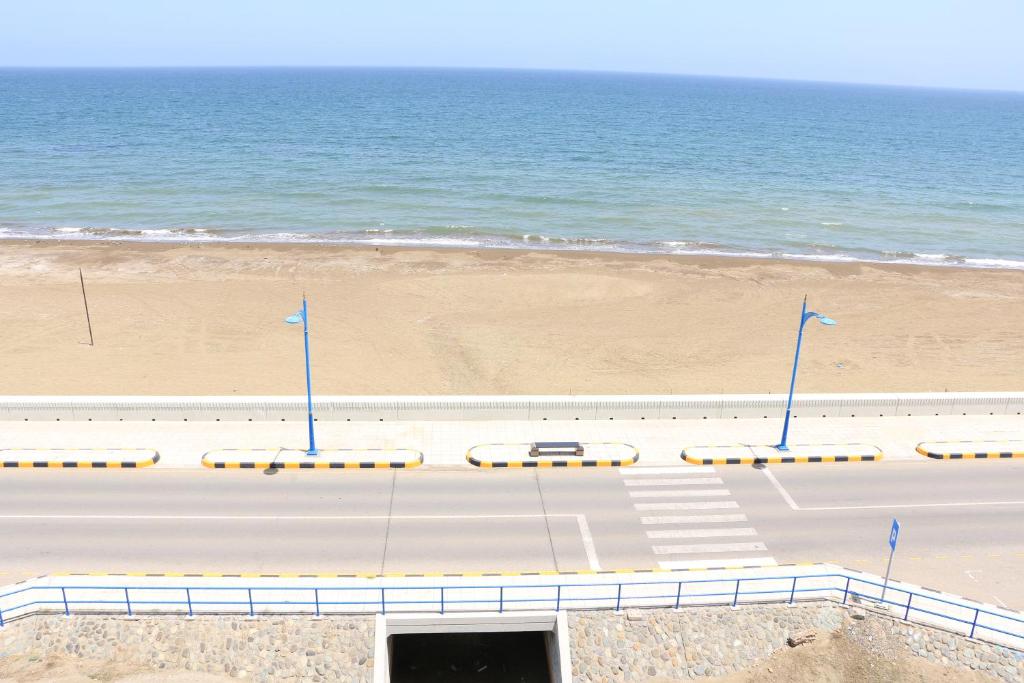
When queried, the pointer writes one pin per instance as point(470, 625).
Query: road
point(962, 529)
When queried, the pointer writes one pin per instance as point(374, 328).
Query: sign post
point(894, 534)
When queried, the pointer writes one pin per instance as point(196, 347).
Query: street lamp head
point(823, 319)
point(294, 319)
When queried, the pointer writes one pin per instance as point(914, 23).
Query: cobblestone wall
point(890, 636)
point(695, 642)
point(605, 647)
point(699, 641)
point(264, 649)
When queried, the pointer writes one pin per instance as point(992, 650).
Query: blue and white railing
point(193, 596)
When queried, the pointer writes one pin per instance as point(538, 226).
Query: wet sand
point(183, 319)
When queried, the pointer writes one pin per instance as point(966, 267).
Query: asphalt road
point(962, 528)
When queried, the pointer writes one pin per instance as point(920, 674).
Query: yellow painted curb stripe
point(977, 455)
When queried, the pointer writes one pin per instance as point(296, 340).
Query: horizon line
point(142, 67)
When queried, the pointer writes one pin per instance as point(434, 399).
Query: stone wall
point(606, 647)
point(264, 649)
point(698, 641)
point(889, 636)
point(664, 644)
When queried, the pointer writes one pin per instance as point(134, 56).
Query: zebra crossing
point(708, 533)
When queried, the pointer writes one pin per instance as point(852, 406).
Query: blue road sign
point(894, 534)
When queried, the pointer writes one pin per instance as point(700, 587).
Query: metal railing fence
point(927, 608)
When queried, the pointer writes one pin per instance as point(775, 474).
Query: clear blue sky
point(954, 43)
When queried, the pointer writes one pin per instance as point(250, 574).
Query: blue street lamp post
point(303, 317)
point(805, 315)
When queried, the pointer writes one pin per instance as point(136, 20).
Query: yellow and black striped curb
point(783, 459)
point(314, 464)
point(81, 464)
point(404, 575)
point(537, 462)
point(965, 455)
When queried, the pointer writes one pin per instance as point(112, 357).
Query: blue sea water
point(484, 158)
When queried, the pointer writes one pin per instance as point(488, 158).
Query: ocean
point(491, 158)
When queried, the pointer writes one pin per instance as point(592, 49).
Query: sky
point(943, 43)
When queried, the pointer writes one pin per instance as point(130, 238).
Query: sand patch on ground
point(69, 669)
point(181, 319)
point(834, 658)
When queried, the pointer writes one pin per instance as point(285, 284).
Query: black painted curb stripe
point(81, 464)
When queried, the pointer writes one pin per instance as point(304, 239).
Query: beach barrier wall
point(460, 408)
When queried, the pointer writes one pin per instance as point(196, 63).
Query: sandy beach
point(181, 319)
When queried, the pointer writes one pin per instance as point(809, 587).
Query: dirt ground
point(835, 658)
point(67, 669)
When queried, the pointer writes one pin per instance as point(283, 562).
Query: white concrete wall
point(463, 408)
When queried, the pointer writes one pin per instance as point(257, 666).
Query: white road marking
point(712, 505)
point(273, 518)
point(588, 543)
point(703, 564)
point(778, 487)
point(672, 482)
point(701, 533)
point(692, 519)
point(792, 503)
point(581, 521)
point(679, 494)
point(644, 471)
point(707, 548)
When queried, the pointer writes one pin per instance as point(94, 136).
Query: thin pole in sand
point(85, 300)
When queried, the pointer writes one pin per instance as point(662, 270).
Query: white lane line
point(271, 518)
point(917, 505)
point(707, 548)
point(701, 533)
point(588, 543)
point(692, 519)
point(679, 494)
point(581, 521)
point(672, 482)
point(703, 564)
point(710, 505)
point(645, 471)
point(793, 505)
point(778, 487)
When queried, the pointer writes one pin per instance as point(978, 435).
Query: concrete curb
point(782, 459)
point(535, 462)
point(963, 455)
point(414, 575)
point(81, 464)
point(316, 465)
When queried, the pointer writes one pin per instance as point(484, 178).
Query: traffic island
point(326, 459)
point(552, 454)
point(744, 454)
point(79, 458)
point(971, 450)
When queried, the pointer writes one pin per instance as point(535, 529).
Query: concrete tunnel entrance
point(528, 647)
point(512, 657)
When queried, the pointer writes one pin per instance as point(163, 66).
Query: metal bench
point(555, 448)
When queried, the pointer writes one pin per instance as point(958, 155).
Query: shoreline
point(206, 318)
point(569, 253)
point(507, 243)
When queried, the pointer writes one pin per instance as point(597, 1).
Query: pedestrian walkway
point(691, 520)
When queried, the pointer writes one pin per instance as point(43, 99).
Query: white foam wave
point(994, 263)
point(386, 237)
point(421, 241)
